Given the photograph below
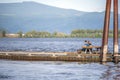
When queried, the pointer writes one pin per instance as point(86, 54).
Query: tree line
point(74, 34)
point(78, 33)
point(2, 33)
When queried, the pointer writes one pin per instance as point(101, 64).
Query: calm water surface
point(47, 44)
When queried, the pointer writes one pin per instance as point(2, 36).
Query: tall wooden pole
point(115, 39)
point(106, 31)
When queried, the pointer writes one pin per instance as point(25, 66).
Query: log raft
point(54, 56)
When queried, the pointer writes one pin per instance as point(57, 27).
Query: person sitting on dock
point(87, 44)
point(90, 44)
point(83, 49)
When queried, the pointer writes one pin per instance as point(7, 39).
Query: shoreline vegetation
point(44, 34)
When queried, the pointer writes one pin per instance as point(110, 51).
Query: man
point(87, 43)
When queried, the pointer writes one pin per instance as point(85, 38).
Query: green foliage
point(74, 34)
point(59, 35)
point(86, 33)
point(20, 33)
point(35, 34)
point(2, 33)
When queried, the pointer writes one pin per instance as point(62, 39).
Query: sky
point(81, 5)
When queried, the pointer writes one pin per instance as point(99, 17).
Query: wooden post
point(106, 31)
point(115, 39)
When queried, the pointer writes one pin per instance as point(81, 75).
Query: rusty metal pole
point(106, 31)
point(115, 39)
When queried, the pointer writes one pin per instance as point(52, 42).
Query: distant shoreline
point(44, 34)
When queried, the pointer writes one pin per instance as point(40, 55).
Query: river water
point(48, 44)
point(45, 70)
point(26, 70)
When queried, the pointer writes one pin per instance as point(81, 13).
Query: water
point(26, 70)
point(45, 70)
point(48, 44)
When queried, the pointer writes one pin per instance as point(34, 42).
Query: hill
point(27, 16)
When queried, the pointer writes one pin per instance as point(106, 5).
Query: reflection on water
point(26, 70)
point(47, 44)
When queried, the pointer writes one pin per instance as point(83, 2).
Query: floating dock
point(54, 56)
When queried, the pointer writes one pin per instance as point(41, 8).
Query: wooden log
point(106, 31)
point(49, 57)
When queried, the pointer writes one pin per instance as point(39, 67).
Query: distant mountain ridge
point(33, 8)
point(28, 16)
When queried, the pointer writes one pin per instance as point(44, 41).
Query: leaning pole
point(115, 32)
point(106, 31)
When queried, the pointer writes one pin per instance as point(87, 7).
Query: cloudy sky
point(82, 5)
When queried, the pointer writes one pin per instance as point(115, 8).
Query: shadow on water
point(2, 77)
point(112, 72)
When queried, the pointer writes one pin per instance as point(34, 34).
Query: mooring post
point(115, 33)
point(106, 32)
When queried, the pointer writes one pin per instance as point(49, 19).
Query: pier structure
point(53, 56)
point(104, 49)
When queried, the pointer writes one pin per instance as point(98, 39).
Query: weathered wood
point(115, 39)
point(106, 31)
point(41, 56)
point(91, 47)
